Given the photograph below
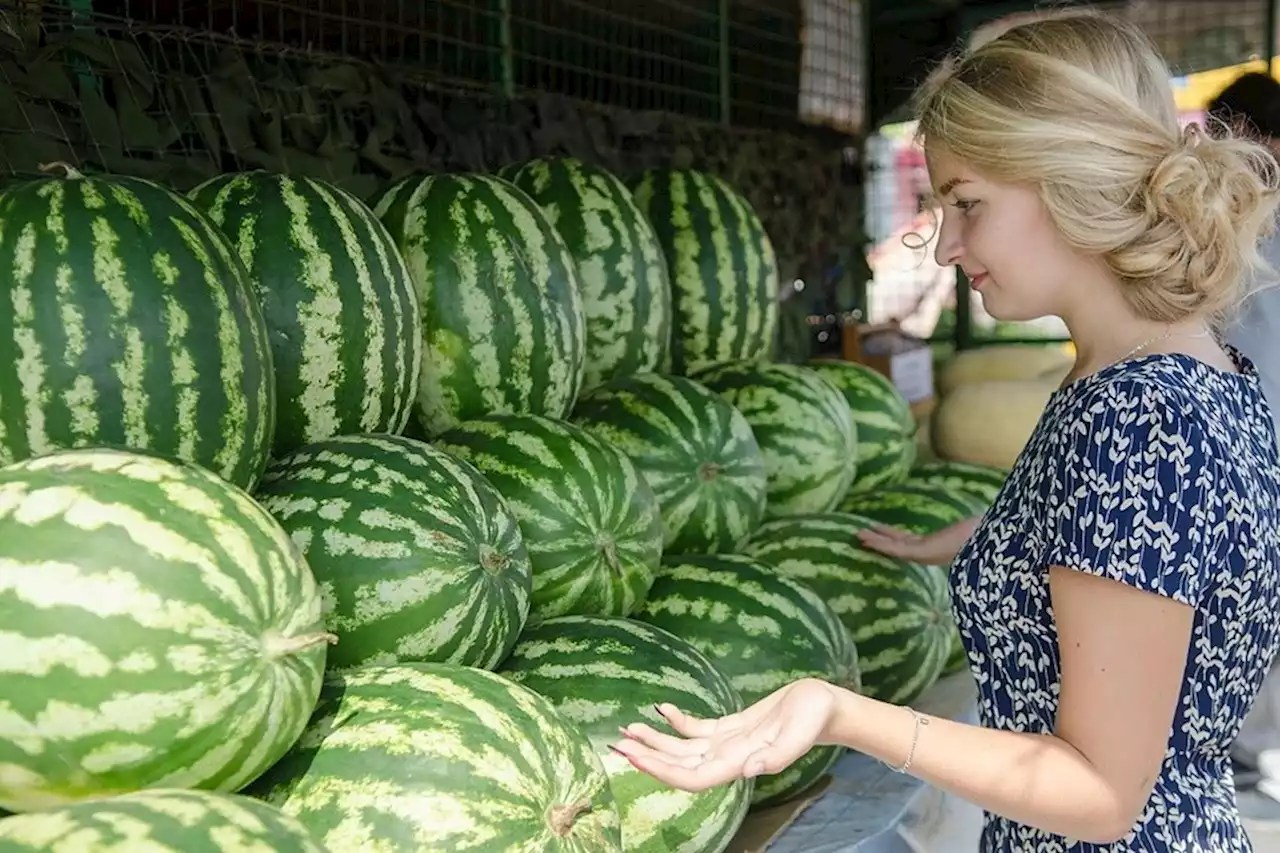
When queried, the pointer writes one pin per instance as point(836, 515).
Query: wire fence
point(1206, 45)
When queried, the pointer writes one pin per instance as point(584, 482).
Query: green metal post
point(726, 68)
point(507, 60)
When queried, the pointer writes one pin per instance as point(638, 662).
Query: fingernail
point(660, 713)
point(615, 749)
point(625, 732)
point(753, 769)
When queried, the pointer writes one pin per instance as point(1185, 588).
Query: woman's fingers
point(651, 738)
point(691, 726)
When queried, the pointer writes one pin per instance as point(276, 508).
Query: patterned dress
point(1160, 472)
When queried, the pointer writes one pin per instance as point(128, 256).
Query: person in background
point(1118, 602)
point(1250, 106)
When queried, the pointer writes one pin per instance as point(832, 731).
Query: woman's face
point(1002, 237)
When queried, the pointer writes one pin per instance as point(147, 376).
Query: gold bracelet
point(920, 720)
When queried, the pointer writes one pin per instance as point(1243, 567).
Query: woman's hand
point(934, 549)
point(764, 738)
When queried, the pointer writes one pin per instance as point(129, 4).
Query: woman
point(1118, 602)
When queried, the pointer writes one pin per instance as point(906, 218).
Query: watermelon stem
point(276, 646)
point(69, 171)
point(708, 471)
point(564, 817)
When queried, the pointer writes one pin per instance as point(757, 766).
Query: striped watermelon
point(917, 507)
point(899, 612)
point(504, 325)
point(724, 273)
point(433, 756)
point(981, 481)
point(886, 425)
point(158, 821)
point(921, 508)
point(417, 555)
point(695, 450)
point(590, 521)
point(129, 322)
point(607, 672)
point(626, 292)
point(164, 630)
point(804, 427)
point(764, 631)
point(344, 318)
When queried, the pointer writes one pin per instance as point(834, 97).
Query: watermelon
point(695, 450)
point(917, 507)
point(923, 509)
point(417, 555)
point(603, 673)
point(590, 521)
point(437, 756)
point(170, 632)
point(163, 820)
point(626, 291)
point(804, 428)
point(129, 323)
point(504, 326)
point(886, 425)
point(898, 612)
point(343, 315)
point(723, 269)
point(764, 631)
point(981, 481)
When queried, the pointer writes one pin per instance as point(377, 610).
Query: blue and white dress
point(1160, 472)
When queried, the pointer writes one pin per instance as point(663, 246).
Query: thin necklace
point(1155, 339)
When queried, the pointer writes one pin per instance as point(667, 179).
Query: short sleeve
point(1133, 493)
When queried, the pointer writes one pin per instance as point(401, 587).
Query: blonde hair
point(1078, 105)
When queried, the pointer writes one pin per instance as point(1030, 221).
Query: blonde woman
point(1119, 602)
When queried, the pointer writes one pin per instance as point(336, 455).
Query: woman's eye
point(963, 205)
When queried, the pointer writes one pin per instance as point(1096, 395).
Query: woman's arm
point(1123, 652)
point(935, 549)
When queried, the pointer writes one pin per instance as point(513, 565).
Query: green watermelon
point(724, 272)
point(129, 322)
point(590, 521)
point(433, 756)
point(696, 450)
point(923, 509)
point(170, 632)
point(603, 673)
point(163, 820)
point(626, 292)
point(343, 315)
point(898, 612)
point(917, 507)
point(764, 631)
point(886, 425)
point(417, 555)
point(504, 325)
point(981, 481)
point(804, 428)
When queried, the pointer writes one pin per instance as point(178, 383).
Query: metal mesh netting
point(1206, 46)
point(230, 83)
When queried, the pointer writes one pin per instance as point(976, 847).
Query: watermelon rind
point(589, 520)
point(626, 291)
point(431, 756)
point(722, 264)
point(129, 322)
point(341, 309)
point(696, 451)
point(886, 425)
point(803, 426)
point(981, 481)
point(417, 555)
point(504, 327)
point(603, 673)
point(764, 631)
point(899, 612)
point(164, 617)
point(162, 820)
